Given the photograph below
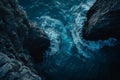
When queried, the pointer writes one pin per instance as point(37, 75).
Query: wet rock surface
point(103, 20)
point(12, 69)
point(20, 42)
point(36, 43)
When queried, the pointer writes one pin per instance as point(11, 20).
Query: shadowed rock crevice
point(36, 43)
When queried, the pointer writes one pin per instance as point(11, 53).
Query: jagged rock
point(4, 69)
point(103, 20)
point(3, 59)
point(15, 30)
point(25, 74)
point(36, 43)
point(13, 69)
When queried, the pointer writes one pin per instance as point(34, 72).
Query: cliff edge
point(22, 43)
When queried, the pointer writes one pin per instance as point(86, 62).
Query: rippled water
point(69, 57)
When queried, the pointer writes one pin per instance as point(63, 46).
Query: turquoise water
point(69, 57)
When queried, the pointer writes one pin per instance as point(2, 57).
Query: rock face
point(21, 43)
point(12, 69)
point(103, 20)
point(36, 43)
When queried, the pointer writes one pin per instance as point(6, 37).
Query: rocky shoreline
point(22, 43)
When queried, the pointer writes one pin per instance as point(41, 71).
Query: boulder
point(103, 20)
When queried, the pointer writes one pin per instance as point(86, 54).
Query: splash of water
point(65, 37)
point(69, 53)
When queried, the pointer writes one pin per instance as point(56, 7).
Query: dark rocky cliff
point(103, 22)
point(22, 43)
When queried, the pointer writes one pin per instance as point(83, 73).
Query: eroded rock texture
point(21, 43)
point(103, 22)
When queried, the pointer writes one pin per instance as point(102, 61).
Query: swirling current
point(69, 57)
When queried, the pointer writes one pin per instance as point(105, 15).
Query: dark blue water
point(69, 57)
